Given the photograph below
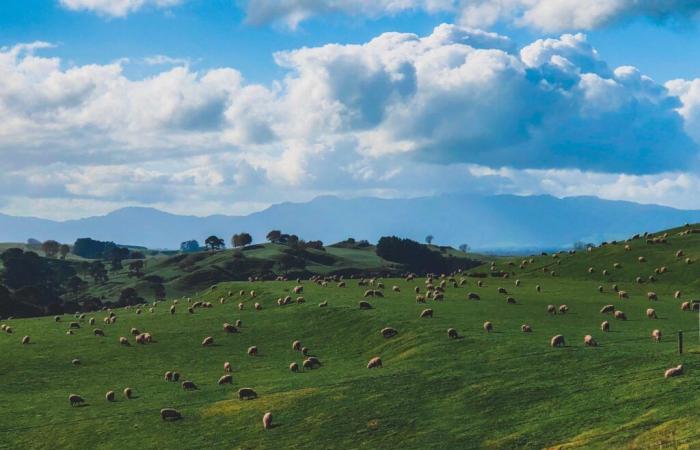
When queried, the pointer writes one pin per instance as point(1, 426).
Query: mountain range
point(499, 223)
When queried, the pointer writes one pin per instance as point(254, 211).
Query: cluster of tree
point(292, 240)
point(419, 258)
point(352, 243)
point(94, 249)
point(190, 246)
point(32, 285)
point(214, 243)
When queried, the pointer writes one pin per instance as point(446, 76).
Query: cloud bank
point(458, 110)
point(546, 15)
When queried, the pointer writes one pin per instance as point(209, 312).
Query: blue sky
point(223, 106)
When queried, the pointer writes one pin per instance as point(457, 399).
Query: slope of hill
point(502, 222)
point(503, 389)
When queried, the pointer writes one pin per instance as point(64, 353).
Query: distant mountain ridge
point(496, 223)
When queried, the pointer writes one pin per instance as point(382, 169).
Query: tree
point(241, 240)
point(75, 284)
point(189, 246)
point(429, 239)
point(464, 248)
point(50, 248)
point(24, 269)
point(64, 250)
point(98, 272)
point(214, 243)
point(130, 296)
point(274, 236)
point(135, 268)
point(93, 249)
point(159, 291)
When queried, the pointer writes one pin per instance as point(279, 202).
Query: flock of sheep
point(434, 289)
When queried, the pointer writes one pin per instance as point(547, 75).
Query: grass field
point(504, 389)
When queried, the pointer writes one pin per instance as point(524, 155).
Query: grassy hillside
point(505, 389)
point(186, 274)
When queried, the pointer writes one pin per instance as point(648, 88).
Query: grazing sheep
point(452, 333)
point(168, 376)
point(267, 421)
point(252, 293)
point(207, 341)
point(605, 326)
point(389, 332)
point(588, 341)
point(502, 290)
point(170, 414)
point(253, 351)
point(128, 393)
point(109, 396)
point(375, 362)
point(677, 294)
point(91, 321)
point(526, 328)
point(311, 362)
point(298, 289)
point(396, 288)
point(656, 335)
point(143, 338)
point(651, 313)
point(25, 340)
point(420, 299)
point(294, 367)
point(600, 288)
point(538, 288)
point(305, 351)
point(300, 300)
point(607, 309)
point(480, 283)
point(426, 313)
point(98, 332)
point(124, 341)
point(642, 259)
point(488, 326)
point(258, 306)
point(557, 341)
point(247, 394)
point(438, 296)
point(674, 371)
point(365, 305)
point(134, 331)
point(75, 362)
point(685, 306)
point(620, 315)
point(323, 304)
point(551, 309)
point(605, 272)
point(563, 309)
point(517, 283)
point(510, 301)
point(473, 296)
point(57, 318)
point(172, 309)
point(225, 379)
point(615, 288)
point(296, 345)
point(75, 400)
point(189, 385)
point(230, 328)
point(623, 294)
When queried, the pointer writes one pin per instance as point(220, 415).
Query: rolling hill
point(503, 389)
point(503, 223)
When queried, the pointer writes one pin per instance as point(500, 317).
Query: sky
point(227, 106)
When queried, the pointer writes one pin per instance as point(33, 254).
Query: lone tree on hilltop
point(241, 240)
point(50, 248)
point(214, 243)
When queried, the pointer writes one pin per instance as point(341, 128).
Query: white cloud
point(548, 15)
point(115, 8)
point(459, 110)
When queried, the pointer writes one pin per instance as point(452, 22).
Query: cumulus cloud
point(548, 15)
point(115, 8)
point(458, 110)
